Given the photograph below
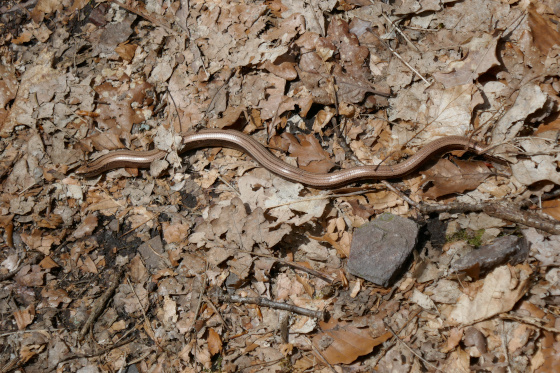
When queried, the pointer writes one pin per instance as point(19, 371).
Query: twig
point(495, 209)
point(200, 298)
point(229, 185)
point(410, 348)
point(98, 353)
point(99, 305)
point(533, 321)
point(145, 16)
point(216, 311)
point(10, 235)
point(399, 193)
point(294, 265)
point(323, 196)
point(505, 346)
point(31, 331)
point(321, 356)
point(264, 302)
point(5, 10)
point(527, 218)
point(146, 320)
point(400, 58)
point(265, 364)
point(396, 27)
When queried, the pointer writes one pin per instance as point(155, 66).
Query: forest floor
point(207, 261)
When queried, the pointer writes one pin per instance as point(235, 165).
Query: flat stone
point(380, 248)
point(506, 249)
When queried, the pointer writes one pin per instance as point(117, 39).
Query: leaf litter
point(325, 85)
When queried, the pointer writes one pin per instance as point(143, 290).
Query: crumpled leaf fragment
point(454, 177)
point(501, 290)
point(310, 155)
point(481, 57)
point(232, 227)
point(341, 342)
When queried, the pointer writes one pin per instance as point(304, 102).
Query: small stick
point(99, 305)
point(400, 58)
point(495, 209)
point(395, 190)
point(323, 196)
point(145, 16)
point(410, 348)
point(293, 265)
point(396, 27)
point(15, 8)
point(259, 301)
point(533, 321)
point(325, 361)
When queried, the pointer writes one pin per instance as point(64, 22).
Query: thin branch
point(323, 196)
point(264, 302)
point(100, 304)
point(145, 16)
point(293, 265)
point(400, 58)
point(427, 363)
point(396, 27)
point(533, 321)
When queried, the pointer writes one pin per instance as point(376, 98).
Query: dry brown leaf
point(214, 342)
point(86, 227)
point(501, 289)
point(173, 233)
point(28, 351)
point(229, 117)
point(44, 8)
point(457, 361)
point(8, 86)
point(24, 316)
point(24, 37)
point(123, 106)
point(311, 156)
point(126, 51)
point(481, 57)
point(544, 34)
point(453, 340)
point(349, 70)
point(88, 265)
point(552, 208)
point(37, 240)
point(454, 177)
point(48, 263)
point(51, 221)
point(340, 342)
point(31, 276)
point(550, 126)
point(282, 67)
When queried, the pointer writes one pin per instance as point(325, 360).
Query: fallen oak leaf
point(344, 343)
point(310, 155)
point(454, 177)
point(214, 342)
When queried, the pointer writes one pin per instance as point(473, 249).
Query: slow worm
point(245, 143)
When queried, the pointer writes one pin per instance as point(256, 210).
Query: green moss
point(471, 237)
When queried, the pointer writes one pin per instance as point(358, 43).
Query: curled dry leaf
point(481, 57)
point(214, 342)
point(311, 156)
point(501, 289)
point(448, 177)
point(544, 34)
point(341, 342)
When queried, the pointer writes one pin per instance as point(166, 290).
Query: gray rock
point(380, 248)
point(506, 249)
